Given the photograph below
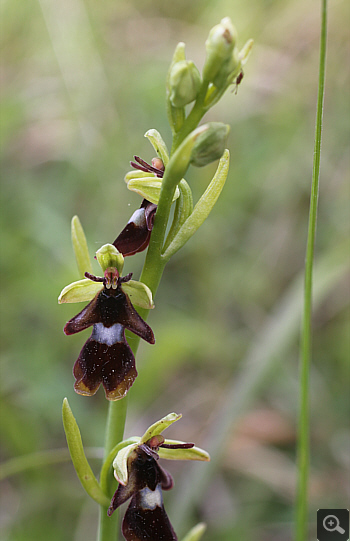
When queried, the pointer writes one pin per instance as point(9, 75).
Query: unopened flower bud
point(229, 70)
point(210, 145)
point(219, 46)
point(184, 83)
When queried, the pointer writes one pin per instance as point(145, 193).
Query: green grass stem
point(303, 445)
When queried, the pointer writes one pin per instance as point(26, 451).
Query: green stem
point(303, 451)
point(108, 526)
point(193, 118)
point(151, 276)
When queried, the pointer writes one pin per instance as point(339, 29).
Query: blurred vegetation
point(82, 82)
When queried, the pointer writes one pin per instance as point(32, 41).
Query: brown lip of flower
point(135, 236)
point(146, 515)
point(106, 357)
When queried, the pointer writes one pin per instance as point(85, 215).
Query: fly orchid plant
point(106, 357)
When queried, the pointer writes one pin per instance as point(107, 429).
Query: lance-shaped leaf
point(108, 256)
point(159, 426)
point(81, 465)
point(82, 290)
point(202, 209)
point(139, 294)
point(195, 533)
point(182, 453)
point(158, 144)
point(80, 247)
point(149, 188)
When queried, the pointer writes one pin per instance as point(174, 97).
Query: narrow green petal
point(196, 453)
point(120, 463)
point(139, 294)
point(81, 465)
point(196, 533)
point(158, 144)
point(109, 256)
point(159, 426)
point(80, 247)
point(81, 291)
point(202, 209)
point(149, 188)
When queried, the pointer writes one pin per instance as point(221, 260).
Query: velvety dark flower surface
point(145, 517)
point(142, 479)
point(136, 234)
point(106, 356)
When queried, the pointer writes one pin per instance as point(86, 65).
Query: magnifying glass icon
point(331, 524)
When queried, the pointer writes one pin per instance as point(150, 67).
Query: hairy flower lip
point(106, 356)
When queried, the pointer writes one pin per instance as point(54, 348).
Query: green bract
point(120, 463)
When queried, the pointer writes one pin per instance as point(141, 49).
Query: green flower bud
point(219, 46)
point(210, 145)
point(184, 83)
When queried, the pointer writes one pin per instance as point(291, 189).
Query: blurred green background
point(82, 82)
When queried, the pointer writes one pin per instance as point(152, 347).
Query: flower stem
point(108, 526)
point(303, 450)
point(193, 118)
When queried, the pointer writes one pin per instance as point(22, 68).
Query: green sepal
point(158, 144)
point(195, 453)
point(80, 247)
point(80, 291)
point(134, 174)
point(109, 256)
point(176, 115)
point(120, 463)
point(80, 463)
point(196, 532)
point(202, 209)
point(159, 426)
point(149, 188)
point(183, 209)
point(108, 463)
point(139, 294)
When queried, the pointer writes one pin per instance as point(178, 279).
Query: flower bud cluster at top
point(223, 66)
